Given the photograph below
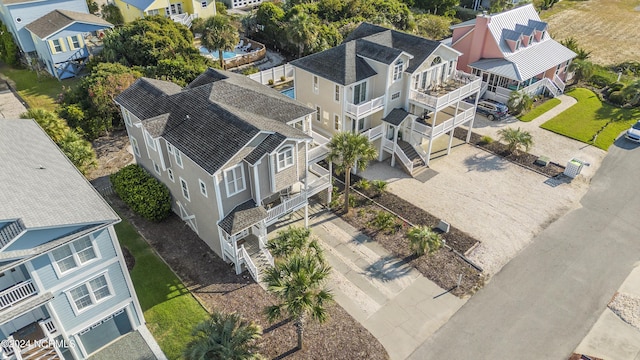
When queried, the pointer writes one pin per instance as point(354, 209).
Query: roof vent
point(187, 117)
point(41, 167)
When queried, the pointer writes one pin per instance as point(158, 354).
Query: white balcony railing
point(246, 259)
point(374, 133)
point(461, 117)
point(365, 108)
point(287, 206)
point(17, 293)
point(387, 144)
point(48, 326)
point(470, 84)
point(318, 153)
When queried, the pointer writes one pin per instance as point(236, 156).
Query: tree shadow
point(276, 325)
point(389, 268)
point(287, 353)
point(485, 163)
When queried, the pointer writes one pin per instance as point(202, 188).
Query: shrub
point(352, 200)
point(380, 186)
point(617, 97)
point(423, 240)
point(250, 70)
point(143, 193)
point(270, 81)
point(616, 86)
point(384, 221)
point(283, 78)
point(599, 81)
point(363, 184)
point(486, 139)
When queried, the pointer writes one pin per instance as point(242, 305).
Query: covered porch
point(31, 334)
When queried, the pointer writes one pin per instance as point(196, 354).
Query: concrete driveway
point(10, 106)
point(501, 204)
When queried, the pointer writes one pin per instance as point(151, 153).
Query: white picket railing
point(17, 293)
point(419, 150)
point(318, 153)
point(365, 108)
point(404, 159)
point(48, 326)
point(268, 255)
point(387, 144)
point(7, 347)
point(274, 74)
point(289, 205)
point(471, 84)
point(374, 133)
point(559, 83)
point(253, 270)
point(228, 250)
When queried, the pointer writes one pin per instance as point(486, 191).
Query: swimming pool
point(289, 92)
point(225, 54)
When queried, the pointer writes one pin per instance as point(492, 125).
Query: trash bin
point(573, 168)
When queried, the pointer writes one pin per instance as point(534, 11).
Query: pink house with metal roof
point(511, 51)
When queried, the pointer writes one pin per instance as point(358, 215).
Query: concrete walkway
point(10, 106)
point(399, 306)
point(558, 148)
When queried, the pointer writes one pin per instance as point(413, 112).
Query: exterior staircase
point(41, 353)
point(412, 154)
point(259, 258)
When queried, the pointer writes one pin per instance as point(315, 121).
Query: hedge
point(143, 193)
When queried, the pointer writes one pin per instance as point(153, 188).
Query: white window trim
point(149, 140)
point(125, 115)
point(94, 301)
point(283, 151)
point(336, 124)
point(156, 167)
point(170, 174)
point(318, 114)
point(395, 95)
point(203, 188)
point(203, 4)
point(186, 187)
point(336, 94)
point(315, 83)
point(55, 48)
point(76, 258)
point(170, 148)
point(398, 68)
point(134, 145)
point(226, 180)
point(178, 155)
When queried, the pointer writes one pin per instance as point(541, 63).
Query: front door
point(359, 93)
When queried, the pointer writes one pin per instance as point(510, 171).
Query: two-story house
point(233, 153)
point(512, 50)
point(59, 34)
point(65, 291)
point(182, 11)
point(402, 90)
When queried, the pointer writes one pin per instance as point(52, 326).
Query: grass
point(37, 92)
point(539, 110)
point(589, 117)
point(169, 308)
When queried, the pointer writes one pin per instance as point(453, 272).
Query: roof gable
point(340, 64)
point(57, 20)
point(511, 24)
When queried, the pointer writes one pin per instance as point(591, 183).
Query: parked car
point(492, 110)
point(633, 133)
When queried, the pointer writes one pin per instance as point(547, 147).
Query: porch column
point(234, 241)
point(306, 215)
point(450, 140)
point(429, 151)
point(256, 184)
point(395, 143)
point(330, 190)
point(473, 119)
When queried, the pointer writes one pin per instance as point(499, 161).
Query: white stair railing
point(404, 159)
point(246, 259)
point(559, 83)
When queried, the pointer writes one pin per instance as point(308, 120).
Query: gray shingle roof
point(339, 64)
point(215, 116)
point(57, 20)
point(396, 116)
point(419, 47)
point(40, 185)
point(267, 146)
point(243, 216)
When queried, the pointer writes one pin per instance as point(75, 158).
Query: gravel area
point(627, 307)
point(10, 106)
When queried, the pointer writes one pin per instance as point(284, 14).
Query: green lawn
point(589, 116)
point(170, 310)
point(37, 92)
point(539, 110)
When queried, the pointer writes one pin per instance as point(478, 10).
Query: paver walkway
point(398, 305)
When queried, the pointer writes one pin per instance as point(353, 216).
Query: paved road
point(544, 301)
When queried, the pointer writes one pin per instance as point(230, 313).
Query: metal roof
point(40, 185)
point(500, 67)
point(508, 20)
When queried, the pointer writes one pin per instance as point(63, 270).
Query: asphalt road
point(544, 301)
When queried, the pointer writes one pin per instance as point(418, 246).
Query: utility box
point(573, 168)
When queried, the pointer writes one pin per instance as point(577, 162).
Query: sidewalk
point(559, 148)
point(398, 305)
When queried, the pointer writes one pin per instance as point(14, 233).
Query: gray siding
point(288, 176)
point(62, 305)
point(265, 178)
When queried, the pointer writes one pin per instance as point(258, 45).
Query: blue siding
point(47, 274)
point(62, 305)
point(33, 238)
point(63, 35)
point(29, 12)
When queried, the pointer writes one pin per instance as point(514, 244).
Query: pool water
point(225, 54)
point(289, 92)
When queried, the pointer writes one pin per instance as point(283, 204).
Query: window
point(170, 148)
point(204, 4)
point(395, 95)
point(149, 140)
point(75, 42)
point(336, 122)
point(285, 158)
point(416, 81)
point(185, 189)
point(337, 93)
point(57, 46)
point(178, 157)
point(127, 118)
point(73, 255)
point(90, 293)
point(450, 67)
point(203, 188)
point(234, 180)
point(156, 167)
point(318, 113)
point(397, 70)
point(134, 145)
point(315, 84)
point(359, 93)
point(170, 173)
point(153, 12)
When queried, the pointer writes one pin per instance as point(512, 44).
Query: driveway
point(501, 204)
point(545, 301)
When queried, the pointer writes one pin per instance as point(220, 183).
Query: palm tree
point(423, 240)
point(346, 150)
point(219, 33)
point(302, 31)
point(298, 281)
point(224, 336)
point(292, 239)
point(519, 102)
point(53, 125)
point(582, 70)
point(516, 138)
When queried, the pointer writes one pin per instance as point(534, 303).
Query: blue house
point(65, 290)
point(59, 34)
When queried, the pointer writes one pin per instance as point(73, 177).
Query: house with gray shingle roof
point(236, 156)
point(60, 35)
point(401, 90)
point(512, 50)
point(65, 291)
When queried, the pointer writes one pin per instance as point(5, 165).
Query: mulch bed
point(216, 285)
point(521, 158)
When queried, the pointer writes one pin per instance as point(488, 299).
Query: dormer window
point(397, 70)
point(285, 158)
point(436, 61)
